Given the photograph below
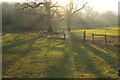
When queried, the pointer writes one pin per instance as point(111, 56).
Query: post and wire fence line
point(105, 37)
point(54, 35)
point(99, 38)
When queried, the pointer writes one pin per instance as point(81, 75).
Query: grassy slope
point(27, 56)
point(35, 57)
point(108, 31)
point(112, 31)
point(94, 61)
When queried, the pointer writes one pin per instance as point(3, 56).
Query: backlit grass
point(25, 56)
point(113, 31)
point(110, 31)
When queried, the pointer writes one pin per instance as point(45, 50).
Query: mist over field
point(16, 19)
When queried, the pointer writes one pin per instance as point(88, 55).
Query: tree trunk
point(50, 29)
point(68, 16)
point(68, 25)
point(47, 5)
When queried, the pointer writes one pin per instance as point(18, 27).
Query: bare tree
point(71, 9)
point(48, 9)
point(43, 8)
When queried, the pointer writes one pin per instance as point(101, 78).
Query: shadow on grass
point(83, 60)
point(64, 68)
point(109, 58)
point(9, 60)
point(18, 43)
point(54, 44)
point(58, 58)
point(113, 61)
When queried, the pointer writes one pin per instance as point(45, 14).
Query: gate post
point(93, 37)
point(64, 35)
point(84, 36)
point(105, 40)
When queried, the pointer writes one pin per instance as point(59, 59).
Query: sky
point(98, 5)
point(104, 5)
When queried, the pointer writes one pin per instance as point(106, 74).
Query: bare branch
point(55, 6)
point(41, 15)
point(79, 9)
point(54, 13)
point(27, 5)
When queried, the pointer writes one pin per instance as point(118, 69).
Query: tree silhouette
point(71, 9)
point(47, 6)
point(45, 9)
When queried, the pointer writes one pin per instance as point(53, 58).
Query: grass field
point(38, 57)
point(109, 31)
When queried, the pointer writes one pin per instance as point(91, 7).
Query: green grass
point(35, 57)
point(111, 31)
point(107, 30)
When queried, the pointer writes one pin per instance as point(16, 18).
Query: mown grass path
point(34, 57)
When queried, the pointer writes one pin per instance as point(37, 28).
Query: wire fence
point(55, 35)
point(98, 38)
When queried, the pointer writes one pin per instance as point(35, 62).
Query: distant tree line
point(93, 19)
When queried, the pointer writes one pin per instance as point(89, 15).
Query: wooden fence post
point(57, 36)
point(105, 39)
point(93, 37)
point(84, 35)
point(64, 35)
